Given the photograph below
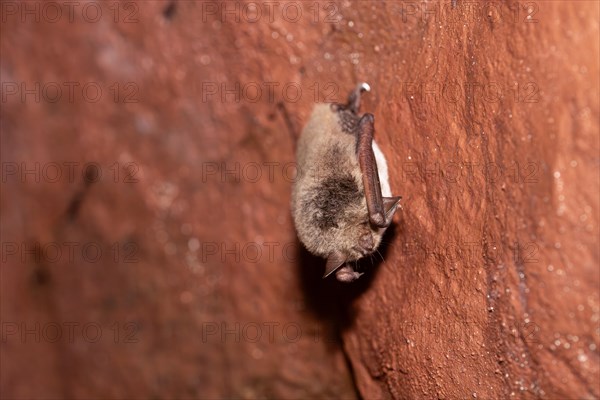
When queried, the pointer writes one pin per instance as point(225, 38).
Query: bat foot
point(354, 97)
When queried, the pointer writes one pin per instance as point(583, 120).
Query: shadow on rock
point(331, 300)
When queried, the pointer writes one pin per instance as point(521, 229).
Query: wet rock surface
point(170, 266)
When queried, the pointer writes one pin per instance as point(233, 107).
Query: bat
point(341, 198)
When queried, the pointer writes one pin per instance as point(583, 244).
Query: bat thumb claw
point(377, 219)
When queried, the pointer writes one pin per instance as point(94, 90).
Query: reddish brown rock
point(488, 116)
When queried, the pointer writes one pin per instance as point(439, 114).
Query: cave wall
point(163, 262)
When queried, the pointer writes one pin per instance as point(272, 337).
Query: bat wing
point(381, 209)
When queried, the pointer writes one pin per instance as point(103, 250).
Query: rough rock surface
point(488, 116)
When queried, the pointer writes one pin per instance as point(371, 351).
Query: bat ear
point(390, 204)
point(334, 261)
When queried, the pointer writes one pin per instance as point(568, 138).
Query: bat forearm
point(368, 166)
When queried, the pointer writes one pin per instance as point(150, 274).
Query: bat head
point(357, 239)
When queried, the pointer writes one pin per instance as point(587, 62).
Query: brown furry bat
point(339, 205)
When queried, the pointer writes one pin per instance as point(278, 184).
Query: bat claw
point(353, 103)
point(377, 219)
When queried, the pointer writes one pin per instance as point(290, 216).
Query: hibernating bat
point(340, 206)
